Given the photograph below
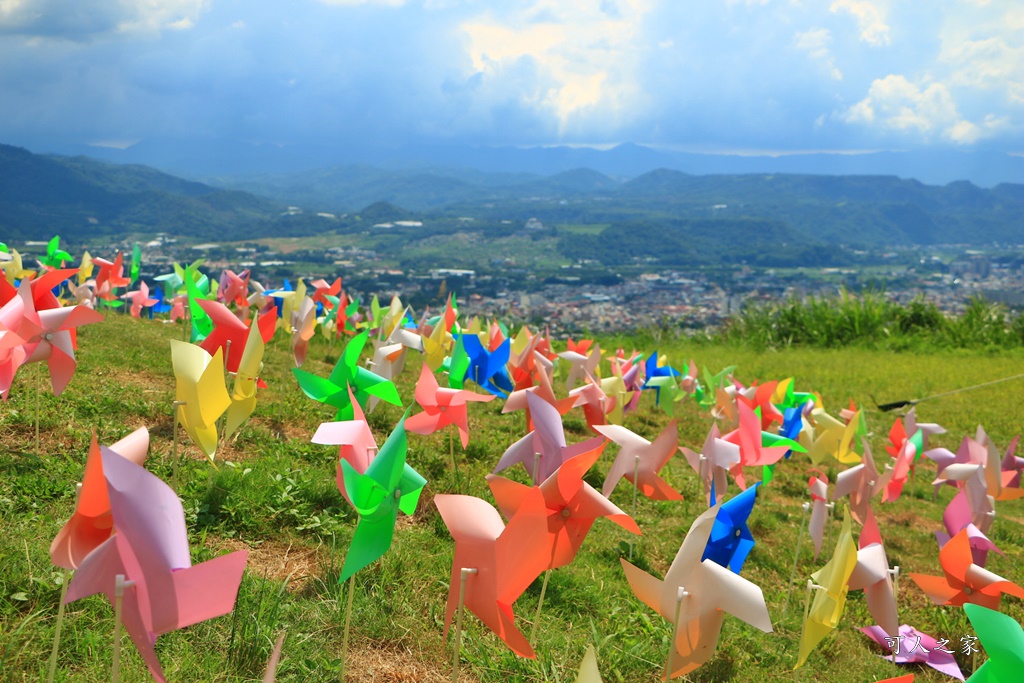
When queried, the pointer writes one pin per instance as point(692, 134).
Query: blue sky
point(716, 75)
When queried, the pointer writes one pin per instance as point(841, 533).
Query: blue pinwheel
point(731, 541)
point(488, 368)
point(652, 370)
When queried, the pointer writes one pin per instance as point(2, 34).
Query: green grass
point(275, 495)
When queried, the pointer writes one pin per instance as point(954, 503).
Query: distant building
point(534, 224)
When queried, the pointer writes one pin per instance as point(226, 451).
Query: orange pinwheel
point(507, 559)
point(517, 399)
point(572, 506)
point(441, 407)
point(964, 581)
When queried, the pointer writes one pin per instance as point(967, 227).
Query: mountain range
point(80, 197)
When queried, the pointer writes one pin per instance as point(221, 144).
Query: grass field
point(274, 494)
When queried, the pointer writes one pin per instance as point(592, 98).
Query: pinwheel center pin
point(566, 512)
point(967, 590)
point(737, 532)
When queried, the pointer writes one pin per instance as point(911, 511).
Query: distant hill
point(42, 195)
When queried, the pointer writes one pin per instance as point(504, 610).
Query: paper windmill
point(964, 581)
point(757, 447)
point(655, 369)
point(990, 473)
point(517, 399)
point(354, 439)
point(441, 407)
point(970, 451)
point(487, 368)
point(572, 506)
point(247, 376)
point(91, 524)
point(150, 549)
point(643, 457)
point(303, 322)
point(543, 450)
point(830, 595)
point(818, 488)
point(860, 483)
point(507, 559)
point(388, 486)
point(731, 541)
point(925, 649)
point(581, 365)
point(710, 591)
point(716, 457)
point(139, 299)
point(873, 576)
point(958, 516)
point(333, 390)
point(1003, 640)
point(229, 333)
point(200, 389)
point(55, 256)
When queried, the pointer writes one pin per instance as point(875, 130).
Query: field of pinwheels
point(364, 545)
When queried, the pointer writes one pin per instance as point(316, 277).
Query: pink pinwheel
point(442, 407)
point(970, 451)
point(760, 396)
point(543, 450)
point(92, 524)
point(973, 502)
point(139, 299)
point(354, 440)
point(55, 340)
point(818, 488)
point(748, 436)
point(572, 506)
point(178, 304)
point(642, 458)
point(230, 333)
point(150, 550)
point(873, 575)
point(303, 327)
point(713, 462)
point(324, 291)
point(911, 646)
point(963, 580)
point(597, 405)
point(234, 288)
point(580, 365)
point(958, 517)
point(13, 353)
point(989, 472)
point(861, 483)
point(1013, 464)
point(506, 560)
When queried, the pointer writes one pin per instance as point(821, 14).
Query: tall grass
point(872, 320)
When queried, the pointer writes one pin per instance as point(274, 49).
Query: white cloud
point(816, 43)
point(74, 20)
point(583, 59)
point(927, 110)
point(871, 19)
point(353, 3)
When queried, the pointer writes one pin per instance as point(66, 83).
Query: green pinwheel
point(333, 390)
point(1003, 639)
point(387, 486)
point(55, 256)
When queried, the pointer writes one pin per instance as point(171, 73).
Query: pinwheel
point(517, 399)
point(229, 333)
point(346, 373)
point(323, 292)
point(110, 276)
point(731, 541)
point(354, 439)
point(972, 503)
point(487, 368)
point(714, 382)
point(494, 563)
point(818, 488)
point(14, 267)
point(201, 395)
point(1013, 464)
point(247, 376)
point(760, 397)
point(874, 576)
point(303, 322)
point(860, 483)
point(828, 437)
point(91, 524)
point(442, 407)
point(234, 288)
point(1003, 640)
point(387, 486)
point(150, 550)
point(907, 450)
point(911, 646)
point(55, 256)
point(669, 393)
point(54, 341)
point(964, 581)
point(695, 595)
point(989, 471)
point(139, 299)
point(716, 457)
point(581, 365)
point(756, 446)
point(572, 506)
point(435, 347)
point(656, 367)
point(543, 450)
point(640, 460)
point(831, 584)
point(958, 516)
point(197, 288)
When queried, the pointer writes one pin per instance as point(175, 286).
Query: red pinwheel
point(441, 407)
point(228, 328)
